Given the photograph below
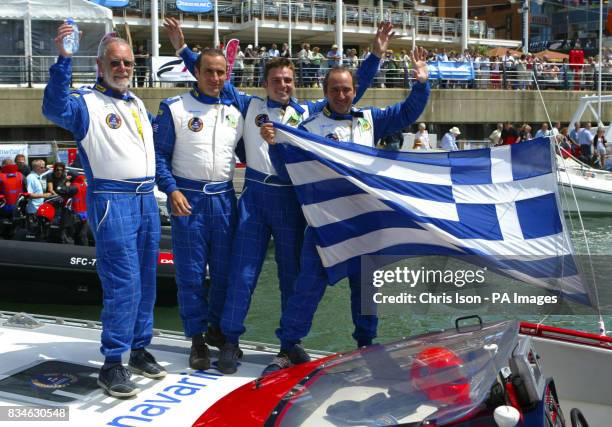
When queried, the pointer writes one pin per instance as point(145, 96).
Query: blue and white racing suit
point(195, 140)
point(364, 127)
point(115, 142)
point(267, 206)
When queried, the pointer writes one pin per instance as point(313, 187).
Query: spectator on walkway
point(303, 62)
point(495, 72)
point(509, 134)
point(449, 139)
point(238, 67)
point(141, 58)
point(555, 129)
point(423, 136)
point(495, 136)
point(543, 131)
point(406, 64)
point(35, 186)
point(585, 139)
point(525, 133)
point(249, 65)
point(575, 133)
point(316, 59)
point(261, 64)
point(273, 52)
point(333, 57)
point(22, 165)
point(285, 51)
point(599, 147)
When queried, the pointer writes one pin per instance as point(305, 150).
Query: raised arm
point(400, 115)
point(175, 34)
point(368, 68)
point(65, 109)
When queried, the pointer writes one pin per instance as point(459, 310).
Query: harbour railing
point(34, 71)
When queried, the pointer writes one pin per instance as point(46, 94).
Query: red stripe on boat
point(566, 335)
point(251, 404)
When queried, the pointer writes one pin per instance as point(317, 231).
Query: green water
point(332, 326)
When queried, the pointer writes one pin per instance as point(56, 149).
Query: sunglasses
point(111, 35)
point(115, 63)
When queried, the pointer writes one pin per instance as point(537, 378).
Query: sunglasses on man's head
point(111, 35)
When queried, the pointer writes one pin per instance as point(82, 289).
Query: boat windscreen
point(439, 377)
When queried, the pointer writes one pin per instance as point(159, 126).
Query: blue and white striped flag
point(497, 205)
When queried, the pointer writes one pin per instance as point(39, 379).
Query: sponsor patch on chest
point(195, 124)
point(261, 119)
point(113, 121)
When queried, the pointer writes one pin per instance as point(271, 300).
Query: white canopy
point(56, 10)
point(40, 20)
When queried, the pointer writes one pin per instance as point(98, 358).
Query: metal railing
point(20, 70)
point(313, 12)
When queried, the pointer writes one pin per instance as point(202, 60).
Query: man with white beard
point(115, 141)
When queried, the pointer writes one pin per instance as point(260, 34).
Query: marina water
point(332, 326)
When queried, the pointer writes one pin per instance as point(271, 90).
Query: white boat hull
point(591, 188)
point(589, 200)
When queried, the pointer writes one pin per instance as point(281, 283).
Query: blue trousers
point(200, 239)
point(263, 210)
point(127, 231)
point(296, 319)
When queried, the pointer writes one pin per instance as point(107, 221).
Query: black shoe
point(228, 358)
point(116, 381)
point(142, 362)
point(298, 355)
point(199, 358)
point(214, 337)
point(286, 358)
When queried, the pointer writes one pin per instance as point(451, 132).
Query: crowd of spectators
point(510, 70)
point(587, 144)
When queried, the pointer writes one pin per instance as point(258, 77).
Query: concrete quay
point(21, 107)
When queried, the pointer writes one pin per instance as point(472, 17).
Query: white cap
point(250, 46)
point(455, 130)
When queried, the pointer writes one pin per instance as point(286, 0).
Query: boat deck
point(56, 365)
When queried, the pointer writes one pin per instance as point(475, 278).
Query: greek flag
point(499, 206)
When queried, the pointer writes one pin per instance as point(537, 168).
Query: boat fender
point(506, 416)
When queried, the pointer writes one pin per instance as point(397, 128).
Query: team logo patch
point(294, 120)
point(332, 136)
point(261, 119)
point(364, 124)
point(195, 124)
point(232, 121)
point(53, 380)
point(113, 121)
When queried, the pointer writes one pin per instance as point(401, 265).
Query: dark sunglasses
point(126, 63)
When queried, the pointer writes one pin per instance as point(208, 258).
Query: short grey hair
point(7, 161)
point(106, 42)
point(38, 162)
